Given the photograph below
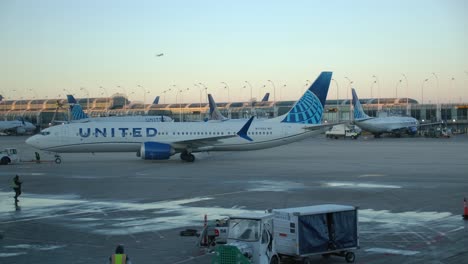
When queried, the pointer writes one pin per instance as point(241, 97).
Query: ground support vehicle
point(9, 155)
point(342, 130)
point(295, 234)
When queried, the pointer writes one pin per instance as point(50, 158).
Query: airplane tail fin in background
point(266, 97)
point(309, 109)
point(71, 99)
point(358, 111)
point(156, 100)
point(76, 110)
point(215, 114)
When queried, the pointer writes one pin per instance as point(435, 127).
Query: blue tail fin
point(266, 97)
point(71, 99)
point(309, 109)
point(215, 114)
point(358, 111)
point(156, 100)
point(76, 110)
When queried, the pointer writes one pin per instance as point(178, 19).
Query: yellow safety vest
point(119, 259)
point(13, 184)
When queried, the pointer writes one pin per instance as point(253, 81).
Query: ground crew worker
point(38, 157)
point(16, 184)
point(119, 257)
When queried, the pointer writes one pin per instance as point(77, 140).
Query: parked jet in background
point(266, 97)
point(156, 100)
point(79, 116)
point(16, 127)
point(161, 140)
point(215, 114)
point(396, 125)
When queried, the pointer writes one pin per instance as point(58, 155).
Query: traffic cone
point(465, 209)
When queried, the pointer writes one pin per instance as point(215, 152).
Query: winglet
point(243, 132)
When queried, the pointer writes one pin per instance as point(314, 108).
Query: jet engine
point(412, 130)
point(156, 151)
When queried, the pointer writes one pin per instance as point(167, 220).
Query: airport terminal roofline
point(97, 103)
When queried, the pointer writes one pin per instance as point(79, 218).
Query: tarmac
point(409, 190)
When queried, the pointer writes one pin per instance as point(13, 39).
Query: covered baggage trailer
point(291, 233)
point(328, 229)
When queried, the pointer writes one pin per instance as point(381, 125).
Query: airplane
point(161, 140)
point(396, 125)
point(18, 127)
point(78, 115)
point(266, 97)
point(156, 100)
point(216, 115)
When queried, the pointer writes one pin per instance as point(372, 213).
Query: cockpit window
point(45, 133)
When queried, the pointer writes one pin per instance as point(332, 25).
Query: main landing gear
point(185, 156)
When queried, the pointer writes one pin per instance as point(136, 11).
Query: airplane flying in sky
point(396, 125)
point(79, 116)
point(16, 127)
point(161, 140)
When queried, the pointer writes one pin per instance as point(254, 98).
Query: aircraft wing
point(430, 124)
point(322, 126)
point(200, 143)
point(207, 142)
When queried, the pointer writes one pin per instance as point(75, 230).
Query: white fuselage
point(196, 136)
point(16, 126)
point(391, 124)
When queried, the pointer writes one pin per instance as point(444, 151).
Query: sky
point(49, 48)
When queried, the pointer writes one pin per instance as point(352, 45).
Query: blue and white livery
point(79, 116)
point(161, 140)
point(396, 125)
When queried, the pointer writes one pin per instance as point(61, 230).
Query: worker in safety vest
point(119, 257)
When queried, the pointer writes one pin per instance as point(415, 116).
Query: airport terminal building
point(45, 112)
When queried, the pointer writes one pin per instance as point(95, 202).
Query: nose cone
point(33, 141)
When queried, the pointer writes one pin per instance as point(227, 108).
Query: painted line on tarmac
point(393, 251)
point(456, 229)
point(371, 175)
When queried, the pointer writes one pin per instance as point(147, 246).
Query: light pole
point(407, 94)
point(125, 95)
point(227, 86)
point(347, 96)
point(144, 95)
point(180, 103)
point(347, 90)
point(378, 90)
point(274, 98)
point(200, 89)
point(452, 87)
point(107, 98)
point(251, 99)
point(206, 91)
point(87, 98)
point(281, 91)
point(396, 88)
point(165, 91)
point(422, 90)
point(337, 89)
point(437, 81)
